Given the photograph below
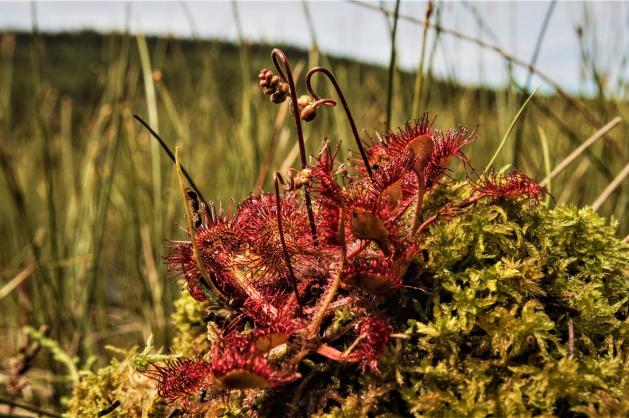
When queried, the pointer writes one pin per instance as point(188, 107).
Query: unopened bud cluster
point(272, 85)
point(306, 106)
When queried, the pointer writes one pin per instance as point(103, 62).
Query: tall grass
point(87, 200)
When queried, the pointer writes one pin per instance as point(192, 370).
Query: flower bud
point(268, 90)
point(304, 101)
point(308, 113)
point(263, 73)
point(278, 97)
point(283, 87)
point(275, 80)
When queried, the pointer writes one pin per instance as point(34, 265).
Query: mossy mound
point(510, 309)
point(116, 390)
point(492, 337)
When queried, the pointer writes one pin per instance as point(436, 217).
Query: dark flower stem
point(284, 71)
point(291, 273)
point(111, 408)
point(348, 112)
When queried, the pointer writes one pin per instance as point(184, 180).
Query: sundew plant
point(383, 286)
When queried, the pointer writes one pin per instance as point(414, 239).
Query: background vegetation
point(88, 200)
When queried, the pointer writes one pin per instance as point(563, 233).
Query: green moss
point(492, 336)
point(506, 281)
point(96, 391)
point(191, 329)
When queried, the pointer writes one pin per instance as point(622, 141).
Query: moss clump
point(118, 388)
point(493, 337)
point(189, 318)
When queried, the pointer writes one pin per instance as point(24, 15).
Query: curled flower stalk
point(283, 68)
point(348, 112)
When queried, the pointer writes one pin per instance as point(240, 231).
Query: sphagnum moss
point(355, 303)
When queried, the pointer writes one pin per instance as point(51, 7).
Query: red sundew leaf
point(256, 221)
point(446, 145)
point(511, 186)
point(276, 333)
point(181, 262)
point(375, 334)
point(217, 242)
point(181, 378)
point(392, 183)
point(238, 364)
point(375, 275)
point(366, 224)
point(285, 320)
point(398, 142)
point(219, 237)
point(371, 217)
point(330, 198)
point(377, 155)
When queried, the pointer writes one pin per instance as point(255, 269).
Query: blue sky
point(346, 29)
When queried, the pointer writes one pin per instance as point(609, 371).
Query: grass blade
point(574, 154)
point(546, 155)
point(506, 135)
point(151, 103)
point(610, 188)
point(419, 77)
point(392, 64)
